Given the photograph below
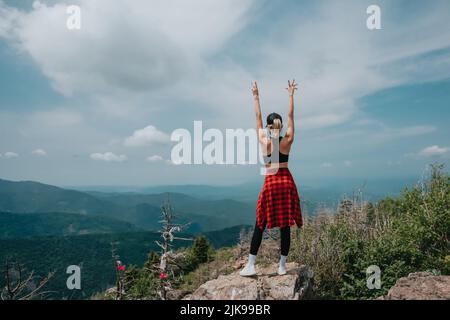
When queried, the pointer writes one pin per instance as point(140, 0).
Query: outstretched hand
point(292, 86)
point(255, 90)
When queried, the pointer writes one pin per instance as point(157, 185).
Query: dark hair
point(271, 117)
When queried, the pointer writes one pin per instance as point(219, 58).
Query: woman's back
point(283, 153)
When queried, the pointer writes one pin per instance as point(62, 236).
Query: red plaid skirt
point(279, 203)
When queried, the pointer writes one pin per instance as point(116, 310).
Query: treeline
point(92, 253)
point(400, 235)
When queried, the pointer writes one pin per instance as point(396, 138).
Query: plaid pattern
point(279, 203)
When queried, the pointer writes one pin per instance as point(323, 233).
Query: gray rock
point(266, 285)
point(420, 286)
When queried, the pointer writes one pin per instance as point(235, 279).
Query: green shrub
point(399, 235)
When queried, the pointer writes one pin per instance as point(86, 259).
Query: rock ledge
point(266, 285)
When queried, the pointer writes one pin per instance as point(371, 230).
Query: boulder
point(420, 286)
point(266, 285)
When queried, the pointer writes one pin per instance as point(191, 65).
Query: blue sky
point(372, 104)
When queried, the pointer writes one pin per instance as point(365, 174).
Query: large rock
point(266, 285)
point(420, 286)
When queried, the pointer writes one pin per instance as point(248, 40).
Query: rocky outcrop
point(420, 286)
point(266, 285)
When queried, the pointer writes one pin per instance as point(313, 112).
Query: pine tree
point(201, 251)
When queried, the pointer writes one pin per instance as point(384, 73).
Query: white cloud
point(10, 155)
point(8, 19)
point(108, 157)
point(156, 51)
point(147, 136)
point(129, 45)
point(155, 158)
point(349, 61)
point(39, 152)
point(140, 58)
point(433, 151)
point(348, 163)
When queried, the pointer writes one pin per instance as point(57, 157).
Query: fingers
point(292, 84)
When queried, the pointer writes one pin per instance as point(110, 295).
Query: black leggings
point(285, 235)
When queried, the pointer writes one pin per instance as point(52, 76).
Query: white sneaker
point(248, 271)
point(281, 270)
point(282, 265)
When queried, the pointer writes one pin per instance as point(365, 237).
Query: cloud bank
point(168, 63)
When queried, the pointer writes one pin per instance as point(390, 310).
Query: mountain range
point(48, 228)
point(139, 210)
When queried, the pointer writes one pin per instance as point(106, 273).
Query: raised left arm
point(292, 86)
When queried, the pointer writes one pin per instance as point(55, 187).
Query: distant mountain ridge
point(318, 194)
point(142, 210)
point(30, 196)
point(207, 208)
point(24, 225)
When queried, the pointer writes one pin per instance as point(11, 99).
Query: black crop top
point(281, 157)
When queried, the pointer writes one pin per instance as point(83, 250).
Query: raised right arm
point(259, 124)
